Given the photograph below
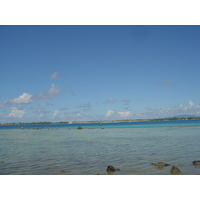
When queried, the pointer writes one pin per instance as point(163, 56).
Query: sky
point(83, 73)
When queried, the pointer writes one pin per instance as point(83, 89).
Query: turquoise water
point(89, 151)
point(141, 124)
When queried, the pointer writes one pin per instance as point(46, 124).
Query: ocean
point(62, 149)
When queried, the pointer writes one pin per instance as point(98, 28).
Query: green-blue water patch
point(170, 123)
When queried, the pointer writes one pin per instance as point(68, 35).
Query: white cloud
point(118, 114)
point(17, 113)
point(109, 113)
point(28, 98)
point(50, 94)
point(55, 113)
point(54, 75)
point(191, 103)
point(125, 114)
point(24, 98)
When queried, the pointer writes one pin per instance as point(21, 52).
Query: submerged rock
point(175, 170)
point(196, 162)
point(62, 171)
point(160, 164)
point(110, 168)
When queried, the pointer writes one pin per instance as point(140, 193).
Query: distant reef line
point(103, 121)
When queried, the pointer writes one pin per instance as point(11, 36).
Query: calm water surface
point(90, 151)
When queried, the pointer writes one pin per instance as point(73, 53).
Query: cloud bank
point(153, 113)
point(192, 109)
point(26, 98)
point(113, 114)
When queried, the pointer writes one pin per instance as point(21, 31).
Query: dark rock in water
point(62, 171)
point(196, 162)
point(175, 170)
point(160, 164)
point(110, 168)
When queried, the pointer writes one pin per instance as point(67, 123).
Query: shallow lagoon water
point(67, 151)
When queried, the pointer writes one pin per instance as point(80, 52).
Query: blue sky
point(80, 73)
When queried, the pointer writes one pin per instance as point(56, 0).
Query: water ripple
point(91, 151)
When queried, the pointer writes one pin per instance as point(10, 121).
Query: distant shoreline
point(105, 121)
